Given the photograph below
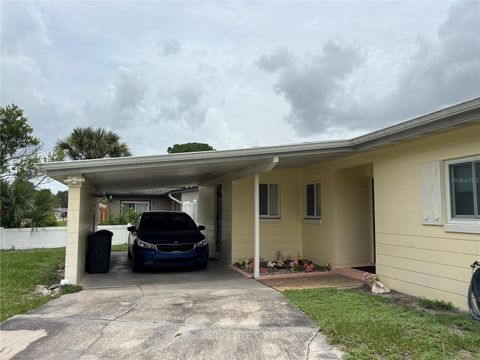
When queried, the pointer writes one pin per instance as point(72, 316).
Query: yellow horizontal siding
point(432, 281)
point(284, 234)
point(454, 245)
point(414, 258)
point(452, 272)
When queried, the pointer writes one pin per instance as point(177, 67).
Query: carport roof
point(190, 169)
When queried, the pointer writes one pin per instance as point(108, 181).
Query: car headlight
point(204, 242)
point(146, 245)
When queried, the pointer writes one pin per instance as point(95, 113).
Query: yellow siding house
point(404, 200)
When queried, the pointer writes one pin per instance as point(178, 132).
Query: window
point(269, 201)
point(166, 222)
point(312, 201)
point(464, 180)
point(140, 206)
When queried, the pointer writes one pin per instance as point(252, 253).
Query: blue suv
point(166, 240)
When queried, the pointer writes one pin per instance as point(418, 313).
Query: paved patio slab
point(311, 282)
point(207, 314)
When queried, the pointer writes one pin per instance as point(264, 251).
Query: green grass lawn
point(372, 327)
point(120, 248)
point(20, 271)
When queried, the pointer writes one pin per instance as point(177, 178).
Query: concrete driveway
point(208, 314)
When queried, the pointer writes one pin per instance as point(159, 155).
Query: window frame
point(462, 223)
point(122, 202)
point(315, 199)
point(268, 216)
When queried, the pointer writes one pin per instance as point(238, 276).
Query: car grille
point(175, 247)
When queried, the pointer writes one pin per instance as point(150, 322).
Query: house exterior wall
point(189, 196)
point(345, 199)
point(353, 217)
point(206, 215)
point(317, 235)
point(417, 259)
point(283, 234)
point(156, 203)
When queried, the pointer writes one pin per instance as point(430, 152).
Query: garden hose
point(474, 295)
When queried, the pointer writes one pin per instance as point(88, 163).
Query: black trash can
point(99, 246)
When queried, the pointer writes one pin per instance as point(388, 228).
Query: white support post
point(256, 226)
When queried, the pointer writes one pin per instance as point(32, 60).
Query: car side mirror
point(131, 228)
point(201, 227)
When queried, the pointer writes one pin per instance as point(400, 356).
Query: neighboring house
point(405, 199)
point(60, 213)
point(151, 199)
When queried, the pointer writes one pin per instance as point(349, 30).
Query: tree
point(16, 199)
point(62, 199)
point(90, 143)
point(41, 210)
point(19, 148)
point(24, 206)
point(189, 147)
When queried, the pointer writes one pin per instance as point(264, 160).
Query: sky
point(236, 74)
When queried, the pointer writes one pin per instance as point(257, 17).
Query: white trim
point(310, 220)
point(463, 227)
point(256, 227)
point(270, 220)
point(467, 225)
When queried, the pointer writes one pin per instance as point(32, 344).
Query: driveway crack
point(307, 355)
point(133, 307)
point(95, 341)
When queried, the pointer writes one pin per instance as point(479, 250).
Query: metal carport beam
point(257, 168)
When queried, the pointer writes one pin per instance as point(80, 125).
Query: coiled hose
point(474, 293)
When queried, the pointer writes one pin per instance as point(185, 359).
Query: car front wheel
point(135, 266)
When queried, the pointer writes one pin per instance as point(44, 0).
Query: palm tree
point(16, 201)
point(90, 143)
point(23, 206)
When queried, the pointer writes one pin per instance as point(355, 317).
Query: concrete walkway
point(209, 314)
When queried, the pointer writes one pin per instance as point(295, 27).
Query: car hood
point(171, 237)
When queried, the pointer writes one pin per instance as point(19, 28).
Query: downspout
point(176, 200)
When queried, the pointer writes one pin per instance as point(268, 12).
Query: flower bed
point(281, 265)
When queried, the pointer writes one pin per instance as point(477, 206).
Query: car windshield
point(166, 222)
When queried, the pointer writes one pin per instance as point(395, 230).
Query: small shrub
point(435, 304)
point(68, 289)
point(124, 217)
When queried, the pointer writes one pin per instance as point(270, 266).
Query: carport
point(87, 180)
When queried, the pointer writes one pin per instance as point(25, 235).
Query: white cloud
point(163, 73)
point(333, 90)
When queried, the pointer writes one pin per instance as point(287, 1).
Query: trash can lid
point(104, 232)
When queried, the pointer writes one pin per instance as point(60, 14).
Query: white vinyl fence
point(190, 207)
point(50, 237)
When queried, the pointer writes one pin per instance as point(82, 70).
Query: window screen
point(465, 189)
point(269, 200)
point(312, 194)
